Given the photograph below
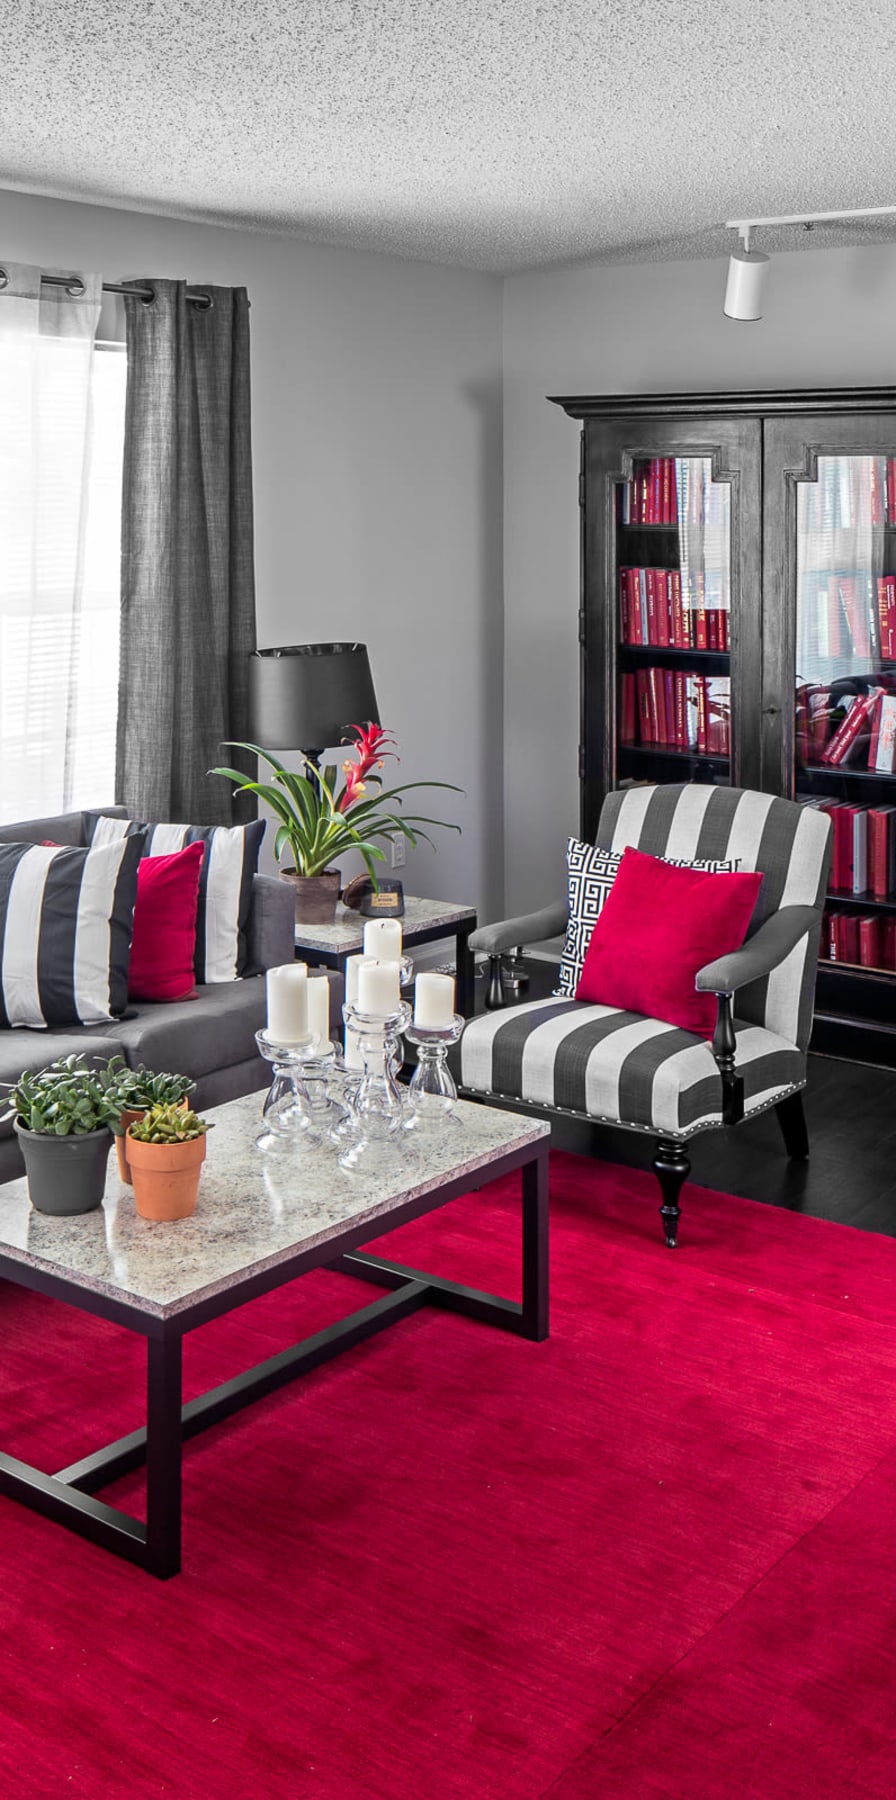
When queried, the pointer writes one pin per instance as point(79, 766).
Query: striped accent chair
point(567, 1057)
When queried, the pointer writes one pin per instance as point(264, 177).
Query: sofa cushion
point(658, 927)
point(66, 916)
point(193, 1037)
point(225, 888)
point(164, 943)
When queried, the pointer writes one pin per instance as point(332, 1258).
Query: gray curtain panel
point(188, 582)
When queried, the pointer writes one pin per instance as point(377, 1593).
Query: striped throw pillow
point(66, 916)
point(590, 876)
point(225, 886)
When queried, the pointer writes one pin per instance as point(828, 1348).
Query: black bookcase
point(734, 609)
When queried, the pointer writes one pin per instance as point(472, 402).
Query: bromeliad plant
point(319, 821)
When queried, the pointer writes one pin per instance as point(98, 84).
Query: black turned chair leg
point(792, 1121)
point(672, 1168)
point(495, 992)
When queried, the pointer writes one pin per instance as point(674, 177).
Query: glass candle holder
point(377, 1104)
point(327, 1115)
point(287, 1109)
point(432, 1093)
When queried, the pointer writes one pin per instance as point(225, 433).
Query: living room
point(414, 490)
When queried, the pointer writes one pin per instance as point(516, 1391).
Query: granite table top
point(253, 1210)
point(346, 934)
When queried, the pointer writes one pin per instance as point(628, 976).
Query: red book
point(702, 712)
point(723, 630)
point(700, 634)
point(673, 492)
point(653, 516)
point(856, 615)
point(881, 851)
point(657, 692)
point(842, 865)
point(671, 716)
point(663, 634)
point(877, 491)
point(871, 941)
point(665, 487)
point(848, 938)
point(849, 736)
point(645, 733)
point(882, 750)
point(890, 944)
point(628, 720)
point(680, 738)
point(679, 638)
point(652, 626)
point(886, 611)
point(625, 611)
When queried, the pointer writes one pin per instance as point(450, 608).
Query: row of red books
point(850, 728)
point(678, 709)
point(851, 615)
point(653, 610)
point(868, 941)
point(850, 491)
point(864, 848)
point(651, 497)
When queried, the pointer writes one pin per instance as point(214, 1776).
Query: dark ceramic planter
point(315, 895)
point(66, 1175)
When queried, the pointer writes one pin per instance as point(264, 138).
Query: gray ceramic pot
point(65, 1174)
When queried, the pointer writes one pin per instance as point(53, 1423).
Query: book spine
point(643, 693)
point(884, 758)
point(846, 739)
point(871, 941)
point(848, 935)
point(629, 709)
point(879, 835)
point(657, 691)
point(860, 850)
point(652, 625)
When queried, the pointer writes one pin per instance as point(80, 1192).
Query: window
point(59, 582)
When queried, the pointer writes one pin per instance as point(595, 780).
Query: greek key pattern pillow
point(225, 884)
point(590, 876)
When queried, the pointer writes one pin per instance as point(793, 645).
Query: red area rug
point(650, 1557)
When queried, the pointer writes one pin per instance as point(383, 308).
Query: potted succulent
point(166, 1150)
point(139, 1090)
point(320, 820)
point(64, 1117)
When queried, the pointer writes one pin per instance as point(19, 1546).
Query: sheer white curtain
point(58, 602)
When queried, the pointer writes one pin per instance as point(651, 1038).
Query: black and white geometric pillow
point(66, 919)
point(225, 884)
point(590, 876)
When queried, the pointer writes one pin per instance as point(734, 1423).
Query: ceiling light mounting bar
point(807, 218)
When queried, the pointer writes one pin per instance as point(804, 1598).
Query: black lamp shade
point(305, 696)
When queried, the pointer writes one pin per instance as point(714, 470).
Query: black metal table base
point(68, 1496)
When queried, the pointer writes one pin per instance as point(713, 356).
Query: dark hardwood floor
point(851, 1116)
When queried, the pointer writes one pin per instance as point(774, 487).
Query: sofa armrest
point(506, 934)
point(271, 927)
point(762, 953)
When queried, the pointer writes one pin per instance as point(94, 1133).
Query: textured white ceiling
point(495, 134)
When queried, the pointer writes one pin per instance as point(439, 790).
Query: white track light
point(747, 270)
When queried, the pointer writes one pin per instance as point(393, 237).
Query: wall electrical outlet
point(398, 852)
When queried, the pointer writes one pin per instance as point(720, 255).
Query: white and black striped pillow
point(66, 917)
point(590, 876)
point(225, 885)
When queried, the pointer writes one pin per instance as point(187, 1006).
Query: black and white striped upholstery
point(624, 1069)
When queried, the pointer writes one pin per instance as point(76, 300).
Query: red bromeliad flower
point(370, 750)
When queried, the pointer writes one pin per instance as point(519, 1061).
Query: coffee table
point(260, 1222)
point(424, 922)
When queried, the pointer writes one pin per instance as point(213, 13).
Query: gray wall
point(377, 452)
point(633, 329)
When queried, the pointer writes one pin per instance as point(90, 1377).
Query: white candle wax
point(287, 997)
point(378, 987)
point(382, 938)
point(434, 1001)
point(319, 1007)
point(351, 1054)
point(352, 965)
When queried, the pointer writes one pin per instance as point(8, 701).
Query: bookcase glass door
point(673, 621)
point(845, 704)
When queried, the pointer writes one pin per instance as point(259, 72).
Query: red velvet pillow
point(164, 941)
point(658, 926)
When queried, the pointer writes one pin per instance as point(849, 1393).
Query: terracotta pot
point(166, 1177)
point(315, 895)
point(121, 1143)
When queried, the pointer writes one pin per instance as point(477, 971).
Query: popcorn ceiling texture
point(497, 136)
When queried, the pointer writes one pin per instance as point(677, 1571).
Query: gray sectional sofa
point(211, 1037)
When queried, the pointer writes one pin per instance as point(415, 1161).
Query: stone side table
point(424, 922)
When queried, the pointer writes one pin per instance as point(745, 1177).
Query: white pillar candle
point(351, 1054)
point(319, 1007)
point(434, 1001)
point(378, 987)
point(287, 997)
point(382, 938)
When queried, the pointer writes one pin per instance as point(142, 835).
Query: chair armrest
point(506, 934)
point(762, 953)
point(271, 926)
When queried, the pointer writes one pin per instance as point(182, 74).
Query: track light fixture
point(747, 269)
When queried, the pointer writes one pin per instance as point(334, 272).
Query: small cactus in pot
point(166, 1150)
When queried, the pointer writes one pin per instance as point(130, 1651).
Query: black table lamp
point(305, 696)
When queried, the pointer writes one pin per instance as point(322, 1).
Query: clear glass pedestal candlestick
point(287, 1108)
point(377, 1105)
point(432, 1093)
point(328, 1117)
